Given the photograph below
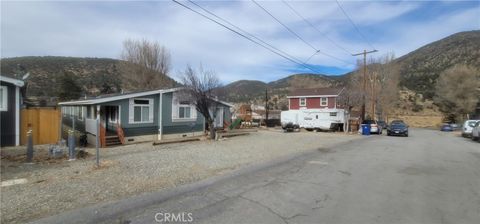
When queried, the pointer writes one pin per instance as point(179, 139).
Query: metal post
point(97, 137)
point(29, 146)
point(71, 146)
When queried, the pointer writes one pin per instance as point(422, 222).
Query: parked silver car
point(476, 132)
point(468, 127)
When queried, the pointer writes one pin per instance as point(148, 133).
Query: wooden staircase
point(112, 140)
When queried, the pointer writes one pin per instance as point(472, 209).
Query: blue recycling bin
point(365, 129)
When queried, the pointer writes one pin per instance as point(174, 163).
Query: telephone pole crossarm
point(365, 52)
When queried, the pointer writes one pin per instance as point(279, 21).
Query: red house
point(318, 98)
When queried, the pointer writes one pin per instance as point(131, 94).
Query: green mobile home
point(137, 117)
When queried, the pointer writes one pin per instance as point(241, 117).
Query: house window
point(141, 111)
point(323, 101)
point(333, 114)
point(80, 113)
point(303, 102)
point(182, 110)
point(3, 98)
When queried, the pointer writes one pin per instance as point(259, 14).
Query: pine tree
point(68, 88)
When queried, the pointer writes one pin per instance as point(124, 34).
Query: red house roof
point(314, 92)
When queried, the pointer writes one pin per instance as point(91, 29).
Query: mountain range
point(419, 70)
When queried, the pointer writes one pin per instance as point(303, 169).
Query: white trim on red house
point(326, 102)
point(300, 102)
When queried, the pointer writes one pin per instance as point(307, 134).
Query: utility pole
point(364, 53)
point(266, 107)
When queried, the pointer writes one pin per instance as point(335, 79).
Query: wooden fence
point(44, 122)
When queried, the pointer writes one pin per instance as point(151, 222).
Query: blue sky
point(97, 29)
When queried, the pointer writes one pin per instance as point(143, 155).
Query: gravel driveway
point(134, 169)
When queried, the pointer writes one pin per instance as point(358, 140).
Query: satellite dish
point(26, 76)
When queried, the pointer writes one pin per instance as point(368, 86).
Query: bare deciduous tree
point(457, 91)
point(386, 76)
point(352, 95)
point(200, 88)
point(146, 65)
point(381, 87)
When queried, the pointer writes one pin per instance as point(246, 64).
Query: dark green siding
point(136, 129)
point(130, 132)
point(170, 127)
point(182, 129)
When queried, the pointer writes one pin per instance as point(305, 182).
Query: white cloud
point(97, 29)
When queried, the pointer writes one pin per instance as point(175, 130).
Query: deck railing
point(120, 133)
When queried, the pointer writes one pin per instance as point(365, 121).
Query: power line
point(298, 36)
point(315, 28)
point(244, 36)
point(286, 27)
point(245, 32)
point(311, 56)
point(355, 26)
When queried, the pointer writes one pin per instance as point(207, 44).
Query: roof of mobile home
point(121, 96)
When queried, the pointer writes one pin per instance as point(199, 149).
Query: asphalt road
point(429, 177)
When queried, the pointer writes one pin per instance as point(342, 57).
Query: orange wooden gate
point(44, 122)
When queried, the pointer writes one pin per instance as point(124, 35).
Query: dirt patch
point(40, 155)
point(104, 164)
point(420, 121)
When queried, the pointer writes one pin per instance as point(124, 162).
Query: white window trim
point(300, 102)
point(322, 103)
point(176, 111)
point(4, 106)
point(185, 119)
point(131, 111)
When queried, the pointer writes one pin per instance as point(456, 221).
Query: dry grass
point(420, 121)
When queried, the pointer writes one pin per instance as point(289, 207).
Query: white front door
point(219, 118)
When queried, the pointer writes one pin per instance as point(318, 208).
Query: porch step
point(112, 140)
